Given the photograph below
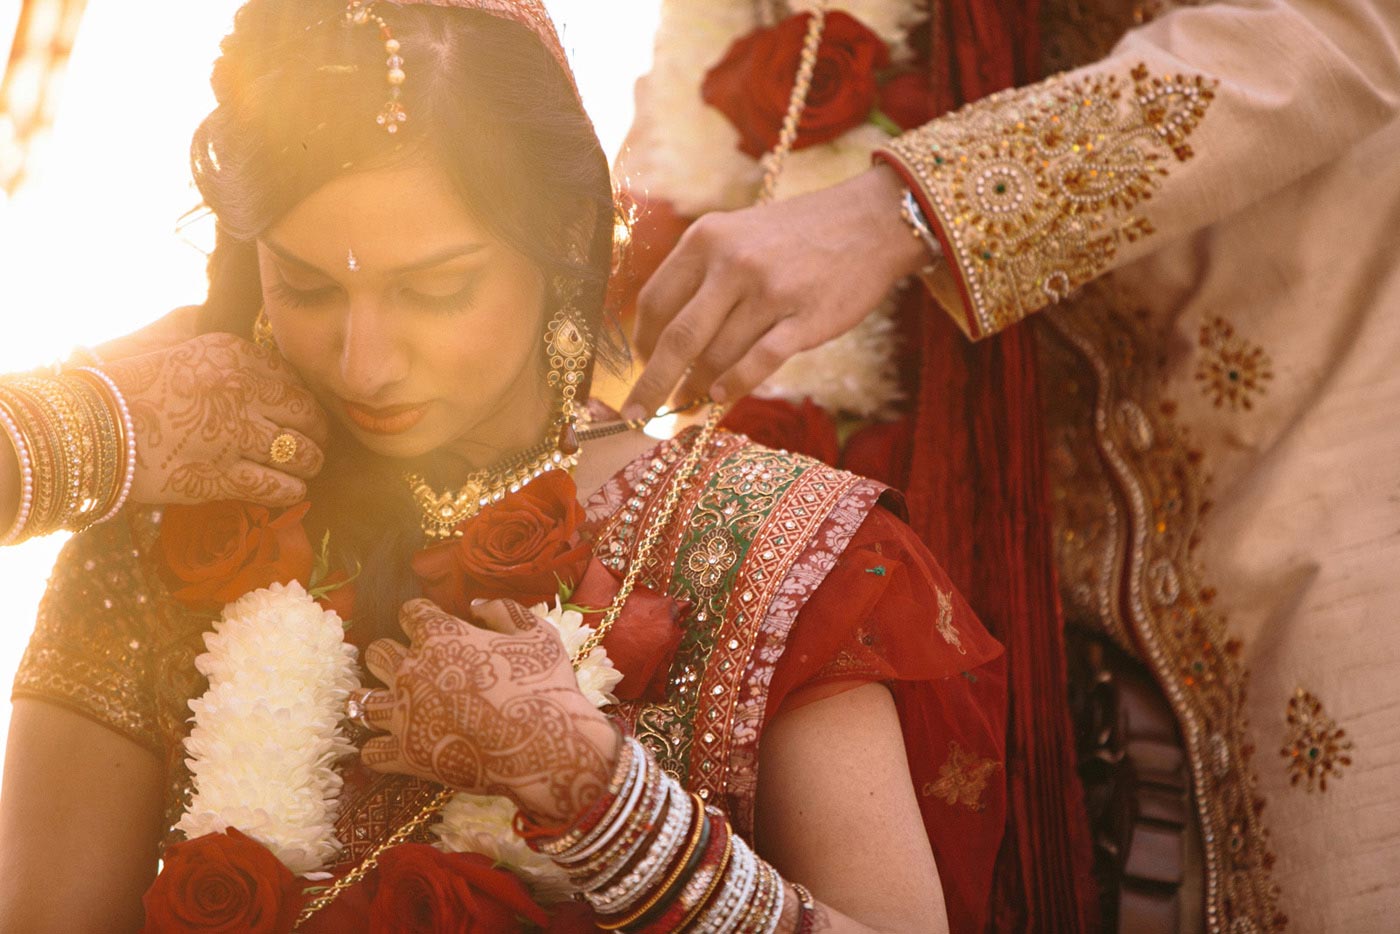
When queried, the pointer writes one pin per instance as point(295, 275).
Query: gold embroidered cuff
point(1035, 191)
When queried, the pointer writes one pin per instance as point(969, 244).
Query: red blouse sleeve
point(887, 613)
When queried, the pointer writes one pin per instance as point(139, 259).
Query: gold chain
point(797, 103)
point(652, 536)
point(359, 872)
point(773, 166)
point(441, 513)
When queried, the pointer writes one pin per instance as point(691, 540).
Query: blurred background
point(96, 112)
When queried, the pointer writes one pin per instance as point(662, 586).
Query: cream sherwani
point(1207, 221)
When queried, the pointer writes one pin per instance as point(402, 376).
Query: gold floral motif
point(962, 780)
point(710, 559)
point(1037, 189)
point(1232, 371)
point(1316, 747)
point(946, 629)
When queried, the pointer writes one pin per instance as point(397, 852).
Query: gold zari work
point(1232, 371)
point(1129, 494)
point(962, 780)
point(1036, 190)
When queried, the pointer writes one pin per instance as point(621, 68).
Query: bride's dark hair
point(297, 94)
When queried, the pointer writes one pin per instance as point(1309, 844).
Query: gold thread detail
point(1038, 189)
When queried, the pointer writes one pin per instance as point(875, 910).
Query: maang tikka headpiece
point(531, 14)
point(358, 13)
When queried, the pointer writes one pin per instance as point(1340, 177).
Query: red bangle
point(806, 909)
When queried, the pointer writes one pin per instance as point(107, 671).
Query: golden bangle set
point(72, 436)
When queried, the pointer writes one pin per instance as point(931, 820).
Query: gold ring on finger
point(284, 448)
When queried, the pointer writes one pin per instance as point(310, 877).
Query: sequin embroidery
point(1037, 189)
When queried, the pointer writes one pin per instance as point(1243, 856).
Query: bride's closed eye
point(442, 302)
point(302, 298)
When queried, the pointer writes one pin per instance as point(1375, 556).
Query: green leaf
point(321, 565)
point(885, 122)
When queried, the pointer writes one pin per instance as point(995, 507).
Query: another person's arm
point(1035, 191)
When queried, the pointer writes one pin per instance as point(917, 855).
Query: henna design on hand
point(204, 413)
point(491, 713)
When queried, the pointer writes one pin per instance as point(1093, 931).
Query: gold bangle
point(55, 466)
point(107, 431)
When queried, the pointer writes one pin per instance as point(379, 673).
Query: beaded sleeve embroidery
point(1035, 191)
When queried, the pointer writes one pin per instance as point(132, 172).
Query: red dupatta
point(976, 466)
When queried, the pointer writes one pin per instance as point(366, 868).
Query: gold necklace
point(441, 513)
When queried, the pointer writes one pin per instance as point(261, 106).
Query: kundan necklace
point(442, 513)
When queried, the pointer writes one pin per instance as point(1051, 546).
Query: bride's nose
point(373, 353)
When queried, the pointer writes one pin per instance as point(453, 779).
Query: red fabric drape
point(977, 495)
point(948, 685)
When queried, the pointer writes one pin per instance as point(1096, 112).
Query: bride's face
point(429, 338)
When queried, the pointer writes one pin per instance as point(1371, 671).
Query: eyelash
point(441, 304)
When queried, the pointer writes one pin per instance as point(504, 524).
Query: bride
point(694, 685)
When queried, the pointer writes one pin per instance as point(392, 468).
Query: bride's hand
point(489, 707)
point(206, 414)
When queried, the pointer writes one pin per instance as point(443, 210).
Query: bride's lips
point(392, 420)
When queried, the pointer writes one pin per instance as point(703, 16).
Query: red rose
point(806, 429)
point(752, 84)
point(645, 637)
point(217, 552)
point(907, 100)
point(518, 549)
point(340, 597)
point(421, 889)
point(222, 882)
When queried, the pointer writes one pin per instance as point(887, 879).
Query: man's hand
point(745, 291)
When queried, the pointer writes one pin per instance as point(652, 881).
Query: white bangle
point(26, 479)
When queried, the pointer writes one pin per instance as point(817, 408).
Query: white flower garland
point(267, 733)
point(686, 152)
point(267, 737)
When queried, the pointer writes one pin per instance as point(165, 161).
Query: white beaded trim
point(26, 473)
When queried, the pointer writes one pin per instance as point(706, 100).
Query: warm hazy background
point(89, 248)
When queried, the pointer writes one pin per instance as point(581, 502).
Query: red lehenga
point(799, 581)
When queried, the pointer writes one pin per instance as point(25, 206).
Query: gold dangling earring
point(262, 331)
point(569, 347)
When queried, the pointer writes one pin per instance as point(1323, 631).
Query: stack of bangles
point(650, 857)
point(75, 446)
